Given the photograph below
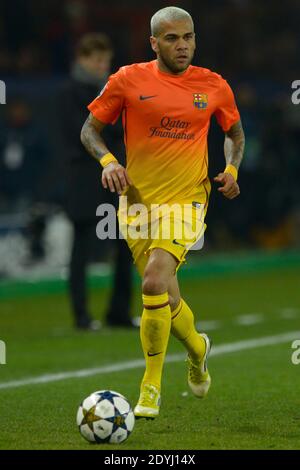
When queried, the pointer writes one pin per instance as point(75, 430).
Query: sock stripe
point(177, 313)
point(153, 307)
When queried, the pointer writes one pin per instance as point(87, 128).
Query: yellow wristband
point(232, 170)
point(107, 159)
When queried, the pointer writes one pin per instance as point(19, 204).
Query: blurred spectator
point(24, 152)
point(84, 191)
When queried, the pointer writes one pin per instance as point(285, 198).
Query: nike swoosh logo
point(155, 354)
point(146, 97)
point(177, 243)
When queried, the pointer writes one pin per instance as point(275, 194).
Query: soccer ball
point(105, 417)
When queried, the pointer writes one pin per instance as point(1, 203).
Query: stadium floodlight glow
point(2, 92)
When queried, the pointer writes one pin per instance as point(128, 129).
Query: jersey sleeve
point(109, 104)
point(226, 112)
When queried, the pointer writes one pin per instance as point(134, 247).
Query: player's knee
point(154, 284)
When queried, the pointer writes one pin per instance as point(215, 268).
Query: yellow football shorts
point(177, 228)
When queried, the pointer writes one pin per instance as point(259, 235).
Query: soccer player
point(166, 106)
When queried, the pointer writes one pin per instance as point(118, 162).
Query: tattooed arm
point(91, 137)
point(233, 149)
point(114, 175)
point(234, 145)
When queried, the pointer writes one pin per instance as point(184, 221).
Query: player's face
point(175, 46)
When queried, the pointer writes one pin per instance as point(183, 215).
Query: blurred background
point(55, 274)
point(253, 44)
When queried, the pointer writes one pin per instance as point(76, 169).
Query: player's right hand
point(115, 177)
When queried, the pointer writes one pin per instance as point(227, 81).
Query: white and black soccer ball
point(105, 417)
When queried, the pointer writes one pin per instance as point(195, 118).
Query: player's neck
point(163, 68)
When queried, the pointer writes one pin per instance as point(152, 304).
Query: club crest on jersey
point(200, 100)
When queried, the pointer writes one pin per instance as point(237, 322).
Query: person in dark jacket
point(84, 191)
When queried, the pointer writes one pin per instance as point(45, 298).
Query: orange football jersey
point(166, 120)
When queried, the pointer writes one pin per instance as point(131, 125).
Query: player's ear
point(153, 42)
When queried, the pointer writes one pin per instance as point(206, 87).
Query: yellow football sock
point(183, 328)
point(155, 332)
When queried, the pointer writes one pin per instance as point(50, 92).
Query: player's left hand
point(229, 186)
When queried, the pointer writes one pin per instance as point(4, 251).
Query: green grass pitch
point(254, 401)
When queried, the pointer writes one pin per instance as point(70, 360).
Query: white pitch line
point(208, 325)
point(289, 313)
point(249, 319)
point(134, 364)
